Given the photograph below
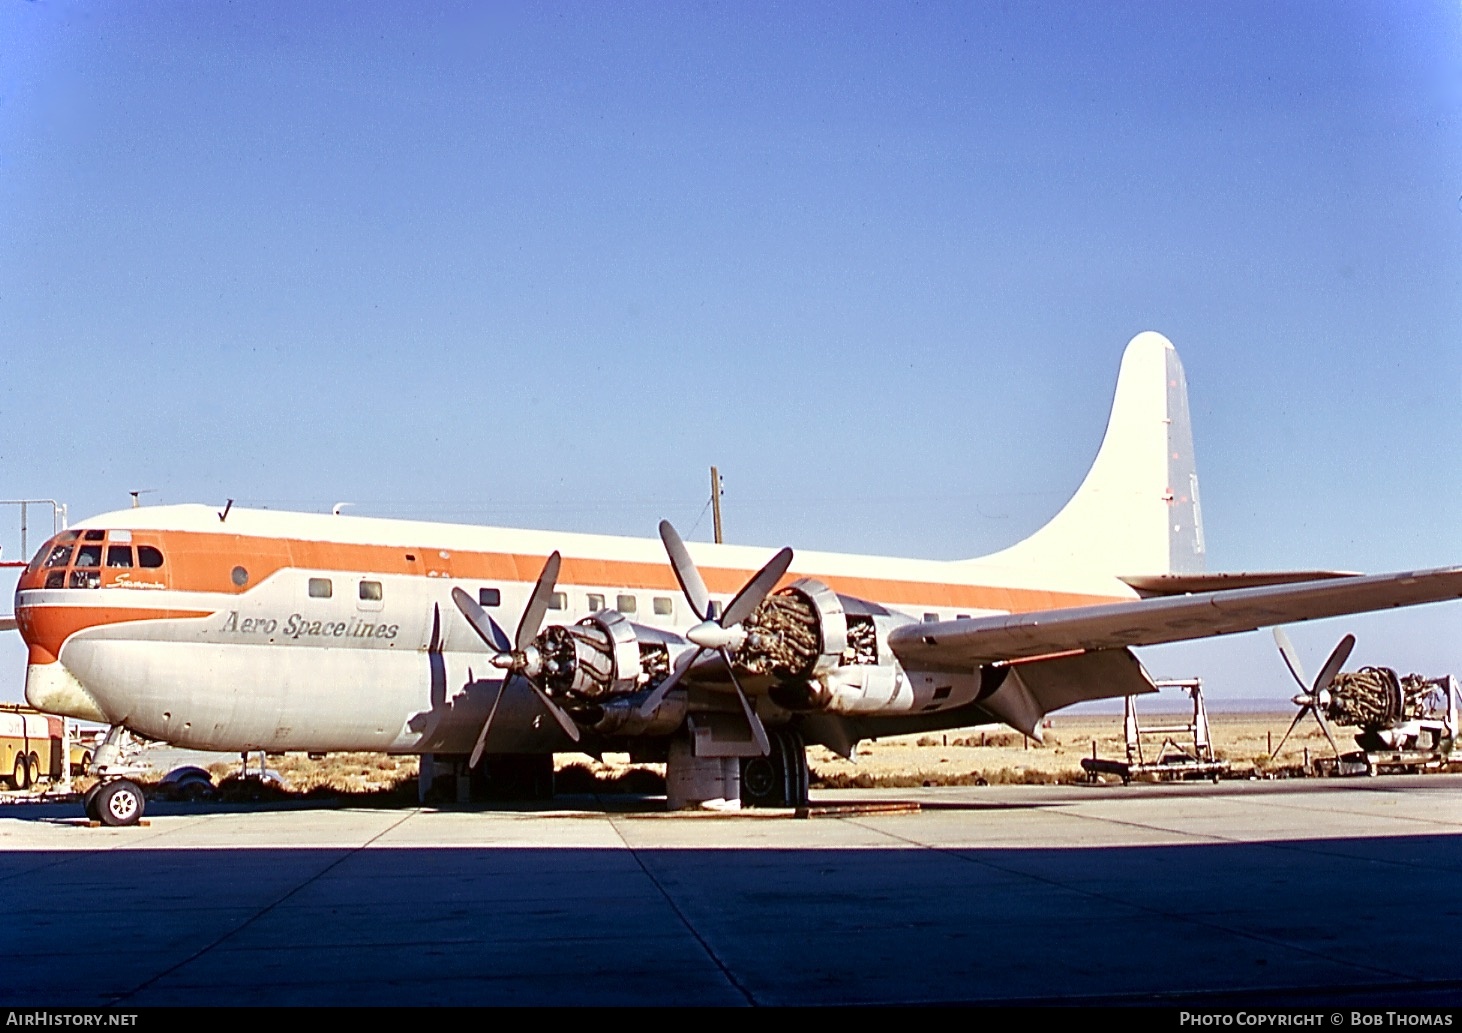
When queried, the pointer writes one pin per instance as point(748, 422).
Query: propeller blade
point(755, 590)
point(482, 735)
point(477, 617)
point(1285, 737)
point(537, 603)
point(758, 730)
point(1325, 727)
point(685, 571)
point(1291, 658)
point(1332, 666)
point(662, 690)
point(564, 721)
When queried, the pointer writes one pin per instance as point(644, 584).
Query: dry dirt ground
point(961, 757)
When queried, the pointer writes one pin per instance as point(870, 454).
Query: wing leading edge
point(963, 644)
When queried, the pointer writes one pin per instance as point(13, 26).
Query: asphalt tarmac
point(1339, 892)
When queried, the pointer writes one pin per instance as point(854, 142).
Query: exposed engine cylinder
point(1374, 697)
point(599, 656)
point(796, 633)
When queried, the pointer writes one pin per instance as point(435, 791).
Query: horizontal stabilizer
point(1185, 584)
point(963, 644)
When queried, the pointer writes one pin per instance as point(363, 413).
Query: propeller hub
point(710, 635)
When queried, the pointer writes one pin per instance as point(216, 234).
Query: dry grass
point(1004, 757)
point(956, 758)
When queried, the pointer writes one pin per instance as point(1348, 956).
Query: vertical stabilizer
point(1137, 511)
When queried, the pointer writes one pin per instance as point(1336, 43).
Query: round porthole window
point(240, 576)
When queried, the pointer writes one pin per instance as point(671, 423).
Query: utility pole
point(716, 502)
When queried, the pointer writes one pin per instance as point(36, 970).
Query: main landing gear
point(741, 777)
point(780, 779)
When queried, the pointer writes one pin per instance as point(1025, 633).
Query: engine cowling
point(796, 633)
point(598, 657)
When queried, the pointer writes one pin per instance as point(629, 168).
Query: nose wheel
point(116, 803)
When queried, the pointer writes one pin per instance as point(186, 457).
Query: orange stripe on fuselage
point(205, 562)
point(45, 628)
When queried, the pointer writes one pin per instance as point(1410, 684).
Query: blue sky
point(543, 265)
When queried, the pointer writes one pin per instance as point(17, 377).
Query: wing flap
point(962, 644)
point(1033, 689)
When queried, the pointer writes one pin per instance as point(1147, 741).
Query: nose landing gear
point(116, 803)
point(116, 800)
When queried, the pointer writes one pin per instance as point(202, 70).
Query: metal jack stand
point(1174, 760)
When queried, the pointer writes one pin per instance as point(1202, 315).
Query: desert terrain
point(978, 756)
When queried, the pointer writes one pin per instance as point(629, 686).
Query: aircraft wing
point(7, 622)
point(963, 644)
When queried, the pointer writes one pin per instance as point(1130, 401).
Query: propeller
point(1314, 696)
point(522, 658)
point(718, 634)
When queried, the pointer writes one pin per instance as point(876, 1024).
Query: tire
point(119, 803)
point(36, 771)
point(88, 802)
point(21, 777)
point(780, 778)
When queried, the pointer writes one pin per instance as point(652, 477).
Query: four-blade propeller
point(523, 657)
point(714, 633)
point(1314, 696)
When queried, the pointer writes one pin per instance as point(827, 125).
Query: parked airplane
point(256, 630)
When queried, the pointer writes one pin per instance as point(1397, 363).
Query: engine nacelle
point(597, 657)
point(799, 632)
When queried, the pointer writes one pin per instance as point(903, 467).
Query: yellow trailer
point(32, 747)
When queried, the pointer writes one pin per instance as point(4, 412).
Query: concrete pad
point(1280, 892)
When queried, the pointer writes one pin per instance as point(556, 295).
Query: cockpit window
point(81, 578)
point(89, 556)
point(93, 535)
point(147, 556)
point(59, 557)
point(119, 555)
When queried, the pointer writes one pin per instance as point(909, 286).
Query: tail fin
point(1137, 510)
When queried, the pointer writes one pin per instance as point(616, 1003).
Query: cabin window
point(320, 588)
point(558, 601)
point(626, 604)
point(596, 602)
point(239, 576)
point(931, 618)
point(147, 556)
point(89, 556)
point(489, 597)
point(715, 609)
point(119, 555)
point(664, 606)
point(370, 591)
point(961, 616)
